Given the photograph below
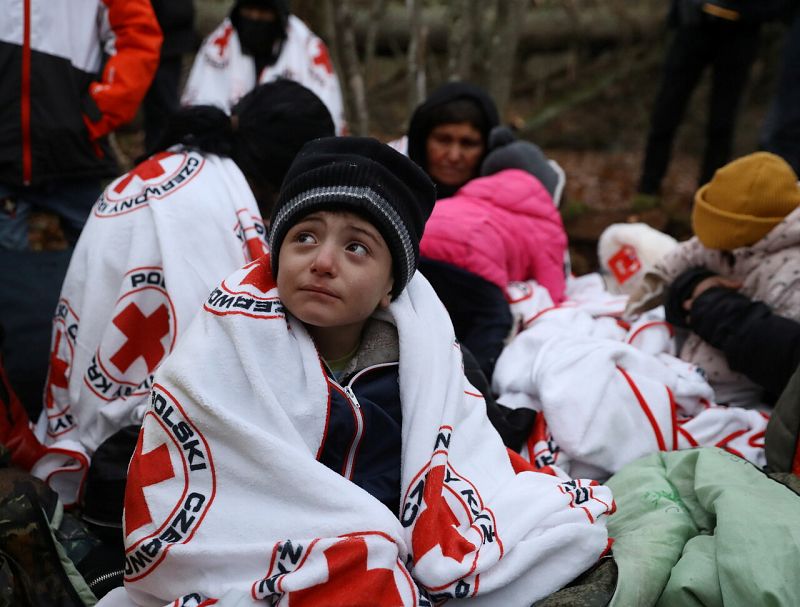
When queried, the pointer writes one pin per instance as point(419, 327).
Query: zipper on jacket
point(105, 577)
point(350, 462)
point(25, 96)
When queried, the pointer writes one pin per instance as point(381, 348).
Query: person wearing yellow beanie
point(744, 200)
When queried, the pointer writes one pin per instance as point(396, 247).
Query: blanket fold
point(226, 497)
point(159, 239)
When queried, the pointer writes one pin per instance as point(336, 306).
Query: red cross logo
point(144, 334)
point(436, 525)
point(149, 169)
point(323, 57)
point(221, 41)
point(349, 582)
point(58, 372)
point(145, 469)
point(624, 263)
point(260, 277)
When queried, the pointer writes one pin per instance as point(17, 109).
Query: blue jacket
point(362, 437)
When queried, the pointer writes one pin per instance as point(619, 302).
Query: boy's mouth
point(319, 290)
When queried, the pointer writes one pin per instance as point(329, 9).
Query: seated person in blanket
point(261, 41)
point(312, 440)
point(499, 228)
point(159, 239)
point(756, 342)
point(746, 222)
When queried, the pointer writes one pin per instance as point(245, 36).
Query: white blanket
point(157, 242)
point(226, 498)
point(611, 393)
point(222, 74)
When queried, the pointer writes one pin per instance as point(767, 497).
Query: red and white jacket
point(59, 98)
point(222, 74)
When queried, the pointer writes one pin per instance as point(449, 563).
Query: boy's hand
point(710, 283)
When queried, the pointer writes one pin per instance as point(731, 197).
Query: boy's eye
point(357, 248)
point(305, 238)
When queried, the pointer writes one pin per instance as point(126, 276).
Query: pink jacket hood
point(503, 228)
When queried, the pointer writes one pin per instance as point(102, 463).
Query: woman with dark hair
point(158, 241)
point(448, 134)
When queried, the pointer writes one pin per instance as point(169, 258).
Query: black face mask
point(259, 38)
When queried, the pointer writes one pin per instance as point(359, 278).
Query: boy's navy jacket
point(362, 438)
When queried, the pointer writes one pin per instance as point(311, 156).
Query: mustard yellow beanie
point(744, 200)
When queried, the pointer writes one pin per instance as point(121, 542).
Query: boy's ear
point(386, 298)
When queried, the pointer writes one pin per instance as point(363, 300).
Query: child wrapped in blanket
point(746, 222)
point(313, 440)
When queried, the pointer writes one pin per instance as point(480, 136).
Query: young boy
point(313, 439)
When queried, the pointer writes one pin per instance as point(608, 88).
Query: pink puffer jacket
point(503, 228)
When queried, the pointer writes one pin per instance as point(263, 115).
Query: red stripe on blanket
point(673, 410)
point(650, 325)
point(723, 444)
point(756, 441)
point(567, 304)
point(688, 437)
point(646, 408)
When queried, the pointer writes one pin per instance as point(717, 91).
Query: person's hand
point(710, 283)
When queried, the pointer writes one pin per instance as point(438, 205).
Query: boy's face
point(335, 270)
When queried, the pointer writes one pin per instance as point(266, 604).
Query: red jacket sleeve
point(129, 71)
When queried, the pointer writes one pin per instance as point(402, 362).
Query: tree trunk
point(416, 54)
point(461, 38)
point(508, 25)
point(345, 44)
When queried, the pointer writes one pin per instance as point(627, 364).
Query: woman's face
point(454, 151)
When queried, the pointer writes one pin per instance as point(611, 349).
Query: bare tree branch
point(416, 53)
point(345, 39)
point(371, 41)
point(508, 25)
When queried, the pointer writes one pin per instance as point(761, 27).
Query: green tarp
point(704, 527)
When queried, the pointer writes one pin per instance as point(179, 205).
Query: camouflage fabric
point(34, 569)
point(594, 588)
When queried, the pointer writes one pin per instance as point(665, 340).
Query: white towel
point(226, 497)
point(610, 396)
point(158, 240)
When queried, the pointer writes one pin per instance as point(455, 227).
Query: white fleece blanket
point(611, 393)
point(222, 74)
point(157, 242)
point(226, 498)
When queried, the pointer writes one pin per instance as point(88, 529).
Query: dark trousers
point(162, 100)
point(729, 49)
point(479, 310)
point(781, 133)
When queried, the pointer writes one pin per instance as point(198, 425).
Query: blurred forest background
point(577, 77)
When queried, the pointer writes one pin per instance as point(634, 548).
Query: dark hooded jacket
point(422, 122)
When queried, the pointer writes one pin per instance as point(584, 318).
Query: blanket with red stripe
point(611, 392)
point(158, 240)
point(227, 502)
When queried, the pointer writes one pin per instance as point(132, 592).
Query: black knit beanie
point(274, 121)
point(367, 177)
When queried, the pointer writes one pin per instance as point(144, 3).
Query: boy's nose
point(325, 260)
